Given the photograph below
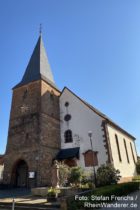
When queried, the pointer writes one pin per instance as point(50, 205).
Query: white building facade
point(110, 143)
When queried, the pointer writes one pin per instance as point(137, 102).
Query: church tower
point(34, 127)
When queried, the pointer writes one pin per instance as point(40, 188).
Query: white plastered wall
point(83, 119)
point(126, 169)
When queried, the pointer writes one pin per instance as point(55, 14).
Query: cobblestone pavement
point(12, 193)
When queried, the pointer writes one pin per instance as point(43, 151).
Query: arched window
point(132, 152)
point(68, 136)
point(126, 150)
point(118, 148)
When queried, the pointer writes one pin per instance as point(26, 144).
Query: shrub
point(76, 175)
point(107, 174)
point(138, 166)
point(117, 189)
point(136, 179)
point(53, 192)
point(73, 175)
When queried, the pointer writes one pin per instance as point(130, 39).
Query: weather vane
point(40, 29)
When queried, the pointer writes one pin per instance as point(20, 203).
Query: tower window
point(68, 136)
point(132, 152)
point(25, 94)
point(118, 148)
point(126, 150)
point(67, 117)
point(52, 95)
point(66, 103)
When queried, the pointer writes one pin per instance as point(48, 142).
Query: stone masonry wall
point(34, 130)
point(24, 131)
point(50, 131)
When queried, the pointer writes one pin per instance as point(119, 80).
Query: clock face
point(24, 108)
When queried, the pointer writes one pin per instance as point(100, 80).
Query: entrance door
point(21, 174)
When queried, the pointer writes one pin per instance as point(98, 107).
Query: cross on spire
point(40, 29)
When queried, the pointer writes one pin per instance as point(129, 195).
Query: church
point(47, 124)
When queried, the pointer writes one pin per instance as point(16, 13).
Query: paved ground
point(20, 196)
point(133, 202)
point(24, 200)
point(16, 192)
point(23, 196)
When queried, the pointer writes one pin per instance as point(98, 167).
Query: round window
point(67, 104)
point(67, 117)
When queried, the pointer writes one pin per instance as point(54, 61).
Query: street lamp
point(94, 173)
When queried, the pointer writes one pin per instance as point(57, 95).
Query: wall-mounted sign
point(31, 174)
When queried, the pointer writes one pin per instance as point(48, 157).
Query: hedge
point(117, 190)
point(136, 179)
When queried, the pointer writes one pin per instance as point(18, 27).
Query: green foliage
point(87, 177)
point(76, 175)
point(70, 175)
point(107, 174)
point(136, 179)
point(138, 166)
point(53, 192)
point(75, 205)
point(84, 186)
point(116, 189)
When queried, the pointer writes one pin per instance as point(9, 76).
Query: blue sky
point(93, 48)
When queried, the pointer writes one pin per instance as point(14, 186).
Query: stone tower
point(34, 127)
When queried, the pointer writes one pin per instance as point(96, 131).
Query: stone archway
point(20, 174)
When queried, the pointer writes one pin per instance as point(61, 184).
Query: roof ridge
point(108, 120)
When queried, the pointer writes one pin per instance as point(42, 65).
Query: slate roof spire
point(38, 66)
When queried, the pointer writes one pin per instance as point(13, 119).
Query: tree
point(107, 175)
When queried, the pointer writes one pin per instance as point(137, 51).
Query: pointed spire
point(38, 66)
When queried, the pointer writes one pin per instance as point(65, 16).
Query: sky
point(93, 48)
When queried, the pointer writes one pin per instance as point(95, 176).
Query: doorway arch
point(20, 174)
